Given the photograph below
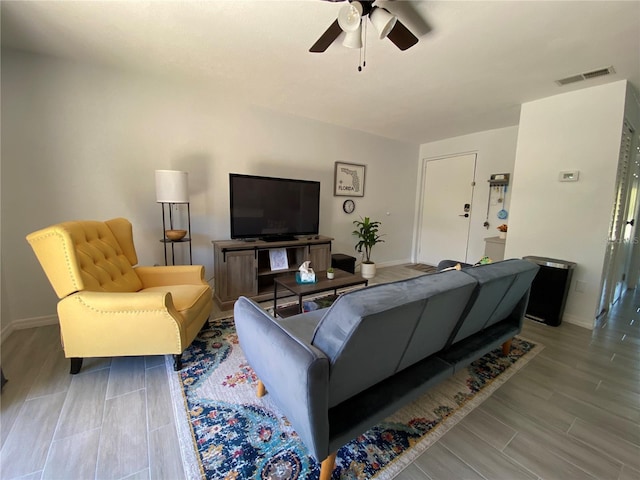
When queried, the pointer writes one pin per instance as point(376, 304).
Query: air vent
point(568, 80)
point(598, 73)
point(586, 76)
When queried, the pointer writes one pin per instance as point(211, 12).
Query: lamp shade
point(382, 20)
point(353, 39)
point(349, 17)
point(172, 186)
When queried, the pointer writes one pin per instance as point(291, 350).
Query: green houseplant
point(368, 236)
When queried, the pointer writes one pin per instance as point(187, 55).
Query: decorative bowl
point(175, 234)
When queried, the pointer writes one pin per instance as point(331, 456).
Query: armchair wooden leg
point(76, 365)
point(177, 362)
point(506, 347)
point(261, 390)
point(327, 466)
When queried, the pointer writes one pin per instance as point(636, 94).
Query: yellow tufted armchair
point(109, 307)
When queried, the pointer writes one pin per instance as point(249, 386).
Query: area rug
point(226, 432)
point(422, 267)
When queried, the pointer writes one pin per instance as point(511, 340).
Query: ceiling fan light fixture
point(349, 17)
point(382, 20)
point(353, 39)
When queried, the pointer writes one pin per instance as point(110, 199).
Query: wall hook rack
point(499, 179)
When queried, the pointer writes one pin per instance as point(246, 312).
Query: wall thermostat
point(569, 176)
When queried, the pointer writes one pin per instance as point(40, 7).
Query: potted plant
point(368, 236)
point(330, 273)
point(503, 230)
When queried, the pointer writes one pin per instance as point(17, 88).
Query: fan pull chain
point(364, 60)
point(363, 51)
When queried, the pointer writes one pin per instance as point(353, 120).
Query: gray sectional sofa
point(336, 372)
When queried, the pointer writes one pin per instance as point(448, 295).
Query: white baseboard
point(392, 263)
point(28, 323)
point(579, 321)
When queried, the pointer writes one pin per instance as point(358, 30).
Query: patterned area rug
point(226, 432)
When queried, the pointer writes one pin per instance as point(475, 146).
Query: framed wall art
point(349, 180)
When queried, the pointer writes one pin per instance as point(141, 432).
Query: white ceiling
point(470, 72)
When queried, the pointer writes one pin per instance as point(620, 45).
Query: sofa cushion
point(303, 325)
point(501, 286)
point(370, 334)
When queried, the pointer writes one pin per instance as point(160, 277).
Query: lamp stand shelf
point(167, 214)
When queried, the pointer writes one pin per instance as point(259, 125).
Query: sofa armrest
point(171, 275)
point(104, 324)
point(295, 373)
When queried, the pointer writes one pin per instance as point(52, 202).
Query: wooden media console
point(244, 267)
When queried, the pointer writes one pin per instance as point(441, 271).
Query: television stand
point(244, 268)
point(278, 238)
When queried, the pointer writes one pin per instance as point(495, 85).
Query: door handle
point(466, 215)
point(631, 222)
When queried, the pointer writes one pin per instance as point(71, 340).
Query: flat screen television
point(273, 209)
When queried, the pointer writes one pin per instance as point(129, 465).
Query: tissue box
point(305, 277)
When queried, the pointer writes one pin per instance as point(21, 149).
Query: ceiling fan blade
point(402, 37)
point(327, 38)
point(409, 13)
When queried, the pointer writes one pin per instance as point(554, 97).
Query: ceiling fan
point(350, 20)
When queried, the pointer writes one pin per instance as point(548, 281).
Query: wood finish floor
point(572, 413)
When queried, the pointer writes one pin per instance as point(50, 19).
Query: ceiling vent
point(586, 76)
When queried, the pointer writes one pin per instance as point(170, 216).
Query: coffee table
point(341, 279)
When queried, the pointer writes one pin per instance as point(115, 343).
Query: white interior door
point(447, 195)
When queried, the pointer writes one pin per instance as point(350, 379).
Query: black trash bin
point(549, 290)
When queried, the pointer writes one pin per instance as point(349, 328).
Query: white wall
point(581, 131)
point(496, 150)
point(80, 142)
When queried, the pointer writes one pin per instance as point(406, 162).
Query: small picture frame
point(278, 259)
point(348, 180)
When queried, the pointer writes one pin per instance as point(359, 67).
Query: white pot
point(502, 235)
point(368, 270)
point(330, 275)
